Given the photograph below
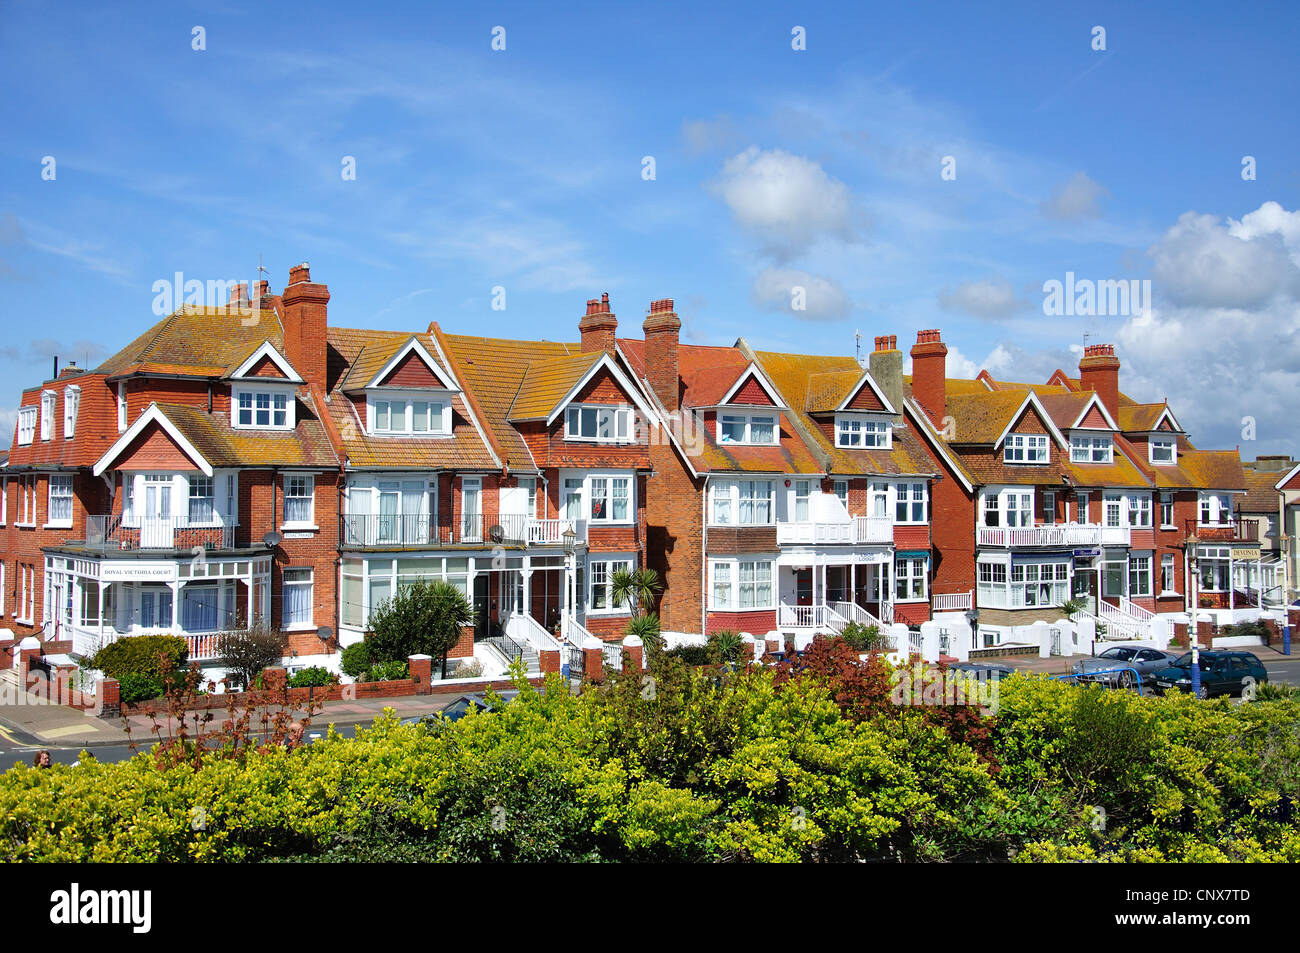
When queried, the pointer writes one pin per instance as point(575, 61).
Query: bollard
point(1196, 671)
point(1286, 640)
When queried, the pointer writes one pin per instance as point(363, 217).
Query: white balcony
point(856, 530)
point(1064, 534)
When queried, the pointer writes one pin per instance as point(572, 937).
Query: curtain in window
point(199, 608)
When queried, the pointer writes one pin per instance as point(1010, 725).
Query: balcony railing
point(110, 533)
point(1236, 531)
point(952, 601)
point(398, 530)
point(821, 617)
point(853, 531)
point(1063, 534)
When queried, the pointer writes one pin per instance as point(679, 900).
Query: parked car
point(991, 671)
point(1123, 657)
point(459, 708)
point(1222, 673)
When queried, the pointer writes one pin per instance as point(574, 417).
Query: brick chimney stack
point(930, 374)
point(662, 331)
point(886, 367)
point(1099, 371)
point(598, 325)
point(238, 296)
point(304, 307)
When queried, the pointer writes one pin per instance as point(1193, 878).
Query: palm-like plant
point(635, 588)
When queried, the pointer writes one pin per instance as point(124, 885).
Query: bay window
point(1216, 509)
point(1023, 584)
point(1012, 508)
point(601, 595)
point(1213, 568)
point(741, 584)
point(910, 578)
point(199, 609)
point(742, 503)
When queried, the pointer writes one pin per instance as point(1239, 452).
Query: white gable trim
point(926, 429)
point(628, 388)
point(1289, 474)
point(278, 359)
point(875, 389)
point(768, 387)
point(1178, 428)
point(1032, 400)
point(443, 374)
point(1095, 401)
point(152, 415)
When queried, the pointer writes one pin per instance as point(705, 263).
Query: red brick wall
point(911, 613)
point(755, 623)
point(952, 522)
point(674, 535)
point(411, 371)
point(866, 399)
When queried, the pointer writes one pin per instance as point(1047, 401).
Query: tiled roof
point(547, 382)
point(981, 418)
point(205, 342)
point(494, 369)
point(1122, 472)
point(1260, 497)
point(357, 355)
point(212, 435)
point(1064, 407)
point(828, 389)
point(1136, 418)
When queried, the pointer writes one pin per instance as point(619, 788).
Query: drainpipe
point(704, 557)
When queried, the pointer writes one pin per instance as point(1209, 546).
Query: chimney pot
point(930, 373)
point(598, 326)
point(662, 329)
point(1099, 371)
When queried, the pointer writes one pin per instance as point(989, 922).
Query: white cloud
point(777, 289)
point(1208, 263)
point(1075, 199)
point(787, 201)
point(986, 298)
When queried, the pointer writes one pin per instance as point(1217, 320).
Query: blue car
point(1222, 673)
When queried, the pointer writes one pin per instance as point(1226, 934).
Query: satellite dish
point(496, 533)
point(324, 633)
point(272, 540)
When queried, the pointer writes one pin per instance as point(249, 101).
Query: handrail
point(522, 625)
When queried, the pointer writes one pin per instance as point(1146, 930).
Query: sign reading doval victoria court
point(134, 571)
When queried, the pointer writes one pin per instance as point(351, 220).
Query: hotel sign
point(134, 571)
point(1243, 554)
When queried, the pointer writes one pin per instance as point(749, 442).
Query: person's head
point(42, 759)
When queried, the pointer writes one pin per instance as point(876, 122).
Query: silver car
point(1145, 660)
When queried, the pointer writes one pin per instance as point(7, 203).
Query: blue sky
point(774, 168)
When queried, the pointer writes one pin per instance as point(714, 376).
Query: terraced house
point(1073, 489)
point(255, 463)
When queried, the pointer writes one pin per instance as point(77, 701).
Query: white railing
point(1117, 626)
point(579, 636)
point(203, 646)
point(529, 529)
point(810, 617)
point(858, 529)
point(522, 627)
point(1064, 534)
point(915, 642)
point(952, 601)
point(855, 613)
point(1129, 607)
point(175, 532)
point(612, 652)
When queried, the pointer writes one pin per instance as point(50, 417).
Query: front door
point(482, 615)
point(156, 518)
point(1085, 588)
point(803, 587)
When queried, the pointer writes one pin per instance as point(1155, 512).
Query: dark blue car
point(1222, 673)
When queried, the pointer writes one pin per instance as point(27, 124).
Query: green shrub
point(388, 672)
point(1256, 628)
point(423, 618)
point(152, 655)
point(137, 687)
point(725, 646)
point(691, 654)
point(314, 676)
point(355, 659)
point(865, 638)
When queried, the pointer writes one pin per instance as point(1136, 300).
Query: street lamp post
point(1193, 543)
point(570, 548)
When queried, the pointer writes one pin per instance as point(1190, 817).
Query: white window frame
point(841, 490)
point(1155, 442)
point(1026, 449)
point(908, 571)
point(121, 406)
point(49, 400)
point(1049, 507)
point(26, 426)
point(611, 563)
point(603, 487)
point(26, 500)
point(908, 496)
point(274, 394)
point(1090, 448)
point(1218, 506)
point(71, 404)
point(734, 575)
point(1168, 575)
point(610, 423)
point(436, 417)
point(862, 432)
point(1137, 510)
point(65, 482)
point(1167, 502)
point(1000, 502)
point(4, 503)
point(298, 582)
point(747, 420)
point(201, 482)
point(310, 495)
point(728, 494)
point(1221, 557)
point(1082, 502)
point(1139, 572)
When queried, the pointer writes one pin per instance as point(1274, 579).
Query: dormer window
point(599, 424)
point(754, 429)
point(1025, 448)
point(26, 426)
point(71, 401)
point(263, 408)
point(1090, 449)
point(861, 433)
point(1162, 450)
point(412, 416)
point(48, 400)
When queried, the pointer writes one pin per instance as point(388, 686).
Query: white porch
point(826, 591)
